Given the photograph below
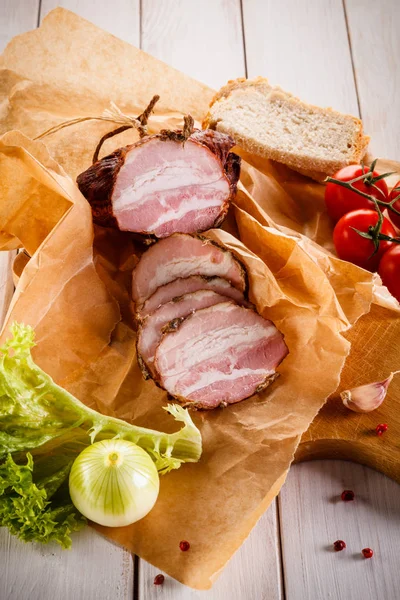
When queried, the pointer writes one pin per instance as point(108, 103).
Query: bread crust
point(317, 169)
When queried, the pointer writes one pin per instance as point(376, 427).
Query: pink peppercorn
point(159, 579)
point(347, 495)
point(184, 546)
point(339, 545)
point(381, 428)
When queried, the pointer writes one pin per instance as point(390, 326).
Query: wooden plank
point(374, 33)
point(94, 569)
point(202, 38)
point(302, 45)
point(281, 40)
point(252, 574)
point(313, 517)
point(119, 17)
point(307, 52)
point(16, 16)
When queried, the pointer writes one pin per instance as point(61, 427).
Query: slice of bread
point(267, 121)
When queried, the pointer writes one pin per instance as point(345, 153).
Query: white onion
point(114, 483)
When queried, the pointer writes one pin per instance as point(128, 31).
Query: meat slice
point(180, 256)
point(161, 186)
point(219, 355)
point(180, 286)
point(151, 329)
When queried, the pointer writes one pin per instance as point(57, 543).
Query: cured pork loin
point(181, 256)
point(151, 329)
point(219, 355)
point(160, 185)
point(180, 287)
point(197, 338)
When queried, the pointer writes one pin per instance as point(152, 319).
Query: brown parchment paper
point(75, 288)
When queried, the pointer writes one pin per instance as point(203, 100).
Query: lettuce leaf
point(25, 506)
point(42, 430)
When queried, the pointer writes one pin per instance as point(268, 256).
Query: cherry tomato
point(353, 247)
point(393, 194)
point(340, 200)
point(389, 270)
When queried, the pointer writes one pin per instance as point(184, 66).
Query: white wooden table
point(340, 53)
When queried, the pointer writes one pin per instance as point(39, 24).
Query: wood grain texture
point(202, 38)
point(119, 17)
point(313, 517)
point(93, 569)
point(252, 574)
point(303, 47)
point(337, 432)
point(375, 40)
point(16, 16)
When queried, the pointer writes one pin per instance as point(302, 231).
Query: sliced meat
point(219, 355)
point(161, 186)
point(180, 286)
point(181, 256)
point(151, 329)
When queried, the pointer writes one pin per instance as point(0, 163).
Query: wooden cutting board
point(339, 433)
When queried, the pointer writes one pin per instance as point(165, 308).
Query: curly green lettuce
point(42, 430)
point(27, 509)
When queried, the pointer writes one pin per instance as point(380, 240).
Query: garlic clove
point(365, 398)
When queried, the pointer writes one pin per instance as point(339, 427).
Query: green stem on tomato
point(348, 185)
point(397, 197)
point(374, 231)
